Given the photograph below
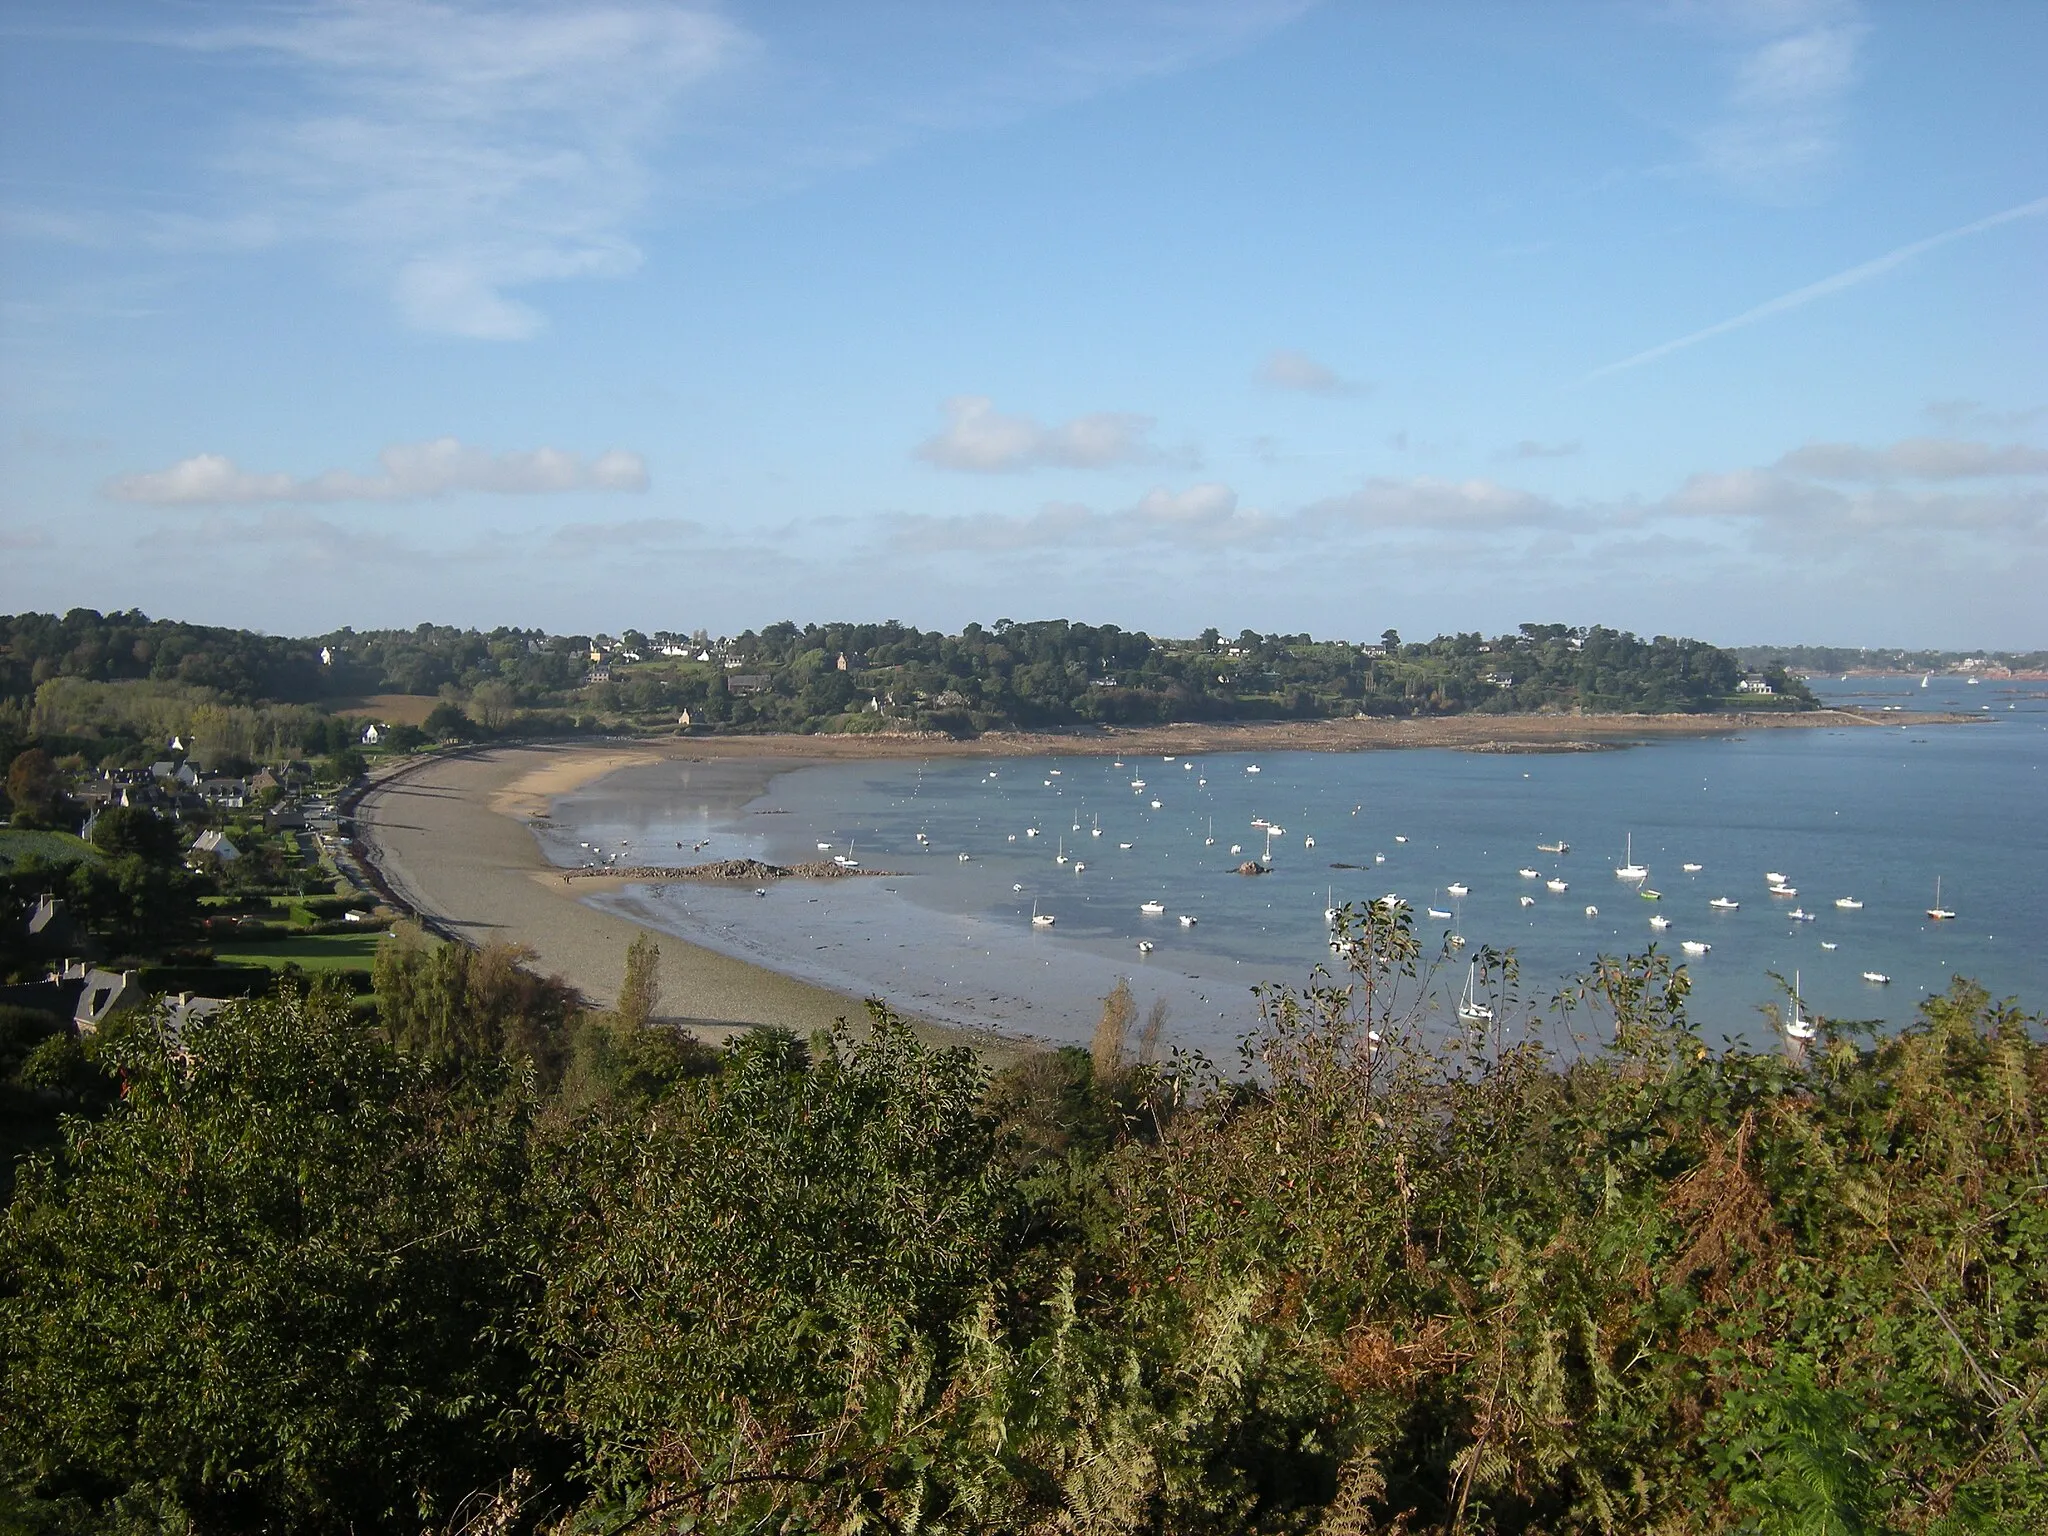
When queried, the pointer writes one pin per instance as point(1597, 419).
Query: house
point(106, 993)
point(1754, 685)
point(224, 793)
point(748, 682)
point(372, 734)
point(262, 780)
point(284, 818)
point(850, 661)
point(187, 775)
point(215, 844)
point(601, 673)
point(161, 771)
point(683, 721)
point(47, 921)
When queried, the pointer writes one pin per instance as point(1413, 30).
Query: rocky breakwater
point(734, 871)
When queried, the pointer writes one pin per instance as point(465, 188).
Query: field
point(390, 708)
point(18, 847)
point(316, 952)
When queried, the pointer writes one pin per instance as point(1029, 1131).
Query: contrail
point(1826, 286)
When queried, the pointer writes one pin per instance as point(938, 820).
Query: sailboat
point(1061, 856)
point(1799, 1027)
point(1938, 912)
point(1470, 1008)
point(1210, 840)
point(1040, 919)
point(846, 860)
point(1630, 869)
point(1096, 830)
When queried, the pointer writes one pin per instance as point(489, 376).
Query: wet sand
point(451, 837)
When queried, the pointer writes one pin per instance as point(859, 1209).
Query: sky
point(1715, 319)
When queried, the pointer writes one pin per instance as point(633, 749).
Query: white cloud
point(408, 472)
point(1529, 448)
point(1782, 121)
point(460, 151)
point(1424, 504)
point(1287, 369)
point(1959, 414)
point(457, 153)
point(633, 533)
point(980, 438)
point(1202, 515)
point(1917, 458)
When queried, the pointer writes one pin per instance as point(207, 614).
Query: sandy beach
point(450, 837)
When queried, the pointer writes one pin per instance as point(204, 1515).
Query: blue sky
point(1718, 319)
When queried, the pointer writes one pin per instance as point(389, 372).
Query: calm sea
point(1874, 814)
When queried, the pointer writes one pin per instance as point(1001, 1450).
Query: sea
point(962, 853)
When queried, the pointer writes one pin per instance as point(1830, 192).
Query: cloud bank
point(981, 439)
point(407, 472)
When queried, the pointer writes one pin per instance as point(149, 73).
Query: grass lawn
point(316, 952)
point(18, 846)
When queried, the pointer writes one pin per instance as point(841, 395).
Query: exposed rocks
point(737, 871)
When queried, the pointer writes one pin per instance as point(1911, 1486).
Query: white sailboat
point(1799, 1027)
point(1210, 840)
point(1040, 919)
point(1630, 869)
point(1061, 856)
point(1938, 912)
point(1096, 830)
point(1470, 1008)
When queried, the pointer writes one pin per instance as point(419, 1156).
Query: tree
point(451, 1005)
point(34, 788)
point(122, 830)
point(446, 722)
point(492, 704)
point(640, 992)
point(134, 904)
point(275, 1288)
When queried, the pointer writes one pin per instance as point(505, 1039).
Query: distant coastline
point(1470, 732)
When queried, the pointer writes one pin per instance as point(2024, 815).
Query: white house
point(214, 844)
point(372, 734)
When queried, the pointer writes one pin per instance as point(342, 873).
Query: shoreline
point(1471, 732)
point(451, 837)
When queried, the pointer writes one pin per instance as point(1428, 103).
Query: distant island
point(1847, 661)
point(114, 689)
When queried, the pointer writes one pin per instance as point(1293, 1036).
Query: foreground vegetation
point(500, 1265)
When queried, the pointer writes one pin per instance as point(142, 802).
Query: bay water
point(1875, 814)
